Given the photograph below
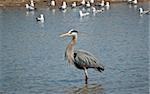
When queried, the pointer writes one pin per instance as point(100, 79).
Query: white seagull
point(30, 8)
point(83, 2)
point(52, 3)
point(64, 5)
point(132, 2)
point(94, 10)
point(135, 2)
point(88, 4)
point(102, 3)
point(32, 3)
point(74, 4)
point(83, 14)
point(40, 18)
point(91, 1)
point(107, 4)
point(142, 11)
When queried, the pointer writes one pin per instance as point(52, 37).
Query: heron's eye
point(70, 32)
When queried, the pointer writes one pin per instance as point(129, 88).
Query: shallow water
point(32, 54)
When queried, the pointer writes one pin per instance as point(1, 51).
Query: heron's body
point(84, 59)
point(81, 59)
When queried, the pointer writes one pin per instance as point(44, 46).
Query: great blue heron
point(81, 59)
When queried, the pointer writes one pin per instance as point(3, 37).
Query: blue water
point(32, 54)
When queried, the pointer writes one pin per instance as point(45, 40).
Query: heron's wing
point(86, 59)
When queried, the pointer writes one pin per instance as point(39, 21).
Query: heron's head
point(70, 33)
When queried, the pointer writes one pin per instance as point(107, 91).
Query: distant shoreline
point(39, 3)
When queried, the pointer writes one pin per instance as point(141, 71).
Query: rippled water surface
point(32, 54)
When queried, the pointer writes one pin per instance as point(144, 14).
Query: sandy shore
point(21, 3)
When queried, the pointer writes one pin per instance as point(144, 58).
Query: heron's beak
point(64, 35)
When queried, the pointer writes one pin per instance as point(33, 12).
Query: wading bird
point(81, 59)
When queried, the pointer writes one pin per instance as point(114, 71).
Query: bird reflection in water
point(29, 13)
point(86, 89)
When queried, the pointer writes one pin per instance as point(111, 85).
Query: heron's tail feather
point(100, 69)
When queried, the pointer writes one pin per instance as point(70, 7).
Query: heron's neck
point(70, 49)
point(73, 41)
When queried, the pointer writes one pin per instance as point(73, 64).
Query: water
point(32, 54)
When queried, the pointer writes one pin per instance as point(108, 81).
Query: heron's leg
point(86, 76)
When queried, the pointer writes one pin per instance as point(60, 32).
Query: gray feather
point(85, 59)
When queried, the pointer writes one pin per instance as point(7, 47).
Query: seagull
point(129, 1)
point(88, 4)
point(135, 2)
point(40, 18)
point(52, 3)
point(91, 1)
point(74, 4)
point(142, 11)
point(107, 4)
point(64, 5)
point(83, 2)
point(83, 14)
point(94, 10)
point(102, 4)
point(132, 2)
point(32, 3)
point(30, 8)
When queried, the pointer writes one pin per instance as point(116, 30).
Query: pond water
point(32, 54)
